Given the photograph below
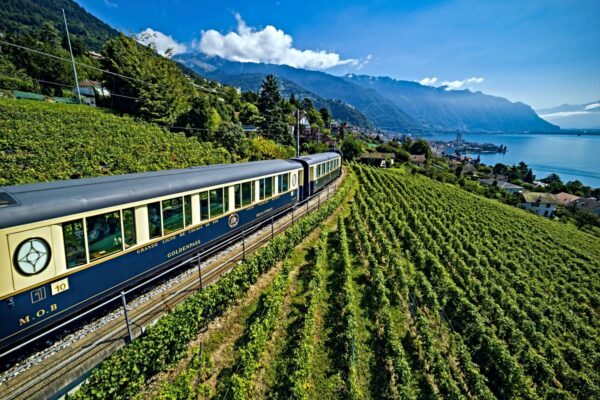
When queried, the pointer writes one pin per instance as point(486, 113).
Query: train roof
point(318, 158)
point(23, 204)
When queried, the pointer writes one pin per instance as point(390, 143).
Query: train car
point(320, 169)
point(67, 245)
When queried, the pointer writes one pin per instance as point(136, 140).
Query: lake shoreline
point(570, 154)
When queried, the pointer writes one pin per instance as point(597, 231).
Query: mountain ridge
point(391, 104)
point(26, 16)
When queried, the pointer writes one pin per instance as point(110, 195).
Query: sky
point(541, 52)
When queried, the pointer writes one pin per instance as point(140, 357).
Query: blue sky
point(541, 52)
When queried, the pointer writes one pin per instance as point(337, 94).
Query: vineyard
point(467, 298)
point(43, 142)
point(414, 289)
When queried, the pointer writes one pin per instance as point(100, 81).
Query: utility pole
point(72, 58)
point(297, 132)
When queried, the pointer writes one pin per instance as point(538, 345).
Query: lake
point(567, 155)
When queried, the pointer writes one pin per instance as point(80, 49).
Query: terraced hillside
point(43, 142)
point(419, 290)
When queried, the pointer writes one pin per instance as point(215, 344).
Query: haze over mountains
point(389, 104)
point(574, 116)
point(366, 101)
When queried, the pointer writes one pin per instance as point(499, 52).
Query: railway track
point(62, 366)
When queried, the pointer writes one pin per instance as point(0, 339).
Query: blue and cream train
point(67, 245)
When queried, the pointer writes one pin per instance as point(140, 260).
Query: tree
point(325, 116)
point(306, 104)
point(265, 149)
point(351, 148)
point(420, 146)
point(577, 188)
point(203, 117)
point(162, 91)
point(554, 183)
point(249, 114)
point(529, 177)
point(231, 136)
point(552, 178)
point(274, 124)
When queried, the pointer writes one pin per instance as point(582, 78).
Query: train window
point(129, 227)
point(172, 214)
point(216, 202)
point(284, 183)
point(226, 199)
point(74, 240)
point(204, 214)
point(187, 203)
point(261, 189)
point(247, 193)
point(237, 194)
point(104, 234)
point(154, 227)
point(268, 187)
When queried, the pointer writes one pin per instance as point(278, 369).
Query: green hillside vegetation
point(44, 142)
point(422, 291)
point(25, 16)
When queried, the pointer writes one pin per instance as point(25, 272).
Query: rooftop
point(417, 157)
point(378, 156)
point(539, 197)
point(566, 198)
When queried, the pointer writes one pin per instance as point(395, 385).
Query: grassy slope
point(43, 142)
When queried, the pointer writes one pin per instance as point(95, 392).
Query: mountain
point(379, 110)
point(26, 16)
point(390, 104)
point(338, 109)
point(573, 116)
point(439, 109)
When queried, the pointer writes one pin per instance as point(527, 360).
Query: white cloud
point(454, 85)
point(161, 42)
point(565, 114)
point(592, 106)
point(364, 62)
point(428, 81)
point(110, 4)
point(268, 45)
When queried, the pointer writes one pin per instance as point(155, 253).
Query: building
point(565, 199)
point(591, 205)
point(506, 186)
point(378, 159)
point(541, 203)
point(91, 92)
point(418, 159)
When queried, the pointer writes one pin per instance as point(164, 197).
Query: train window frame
point(83, 239)
point(117, 236)
point(150, 223)
point(167, 230)
point(127, 245)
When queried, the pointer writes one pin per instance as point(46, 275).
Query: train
point(67, 245)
